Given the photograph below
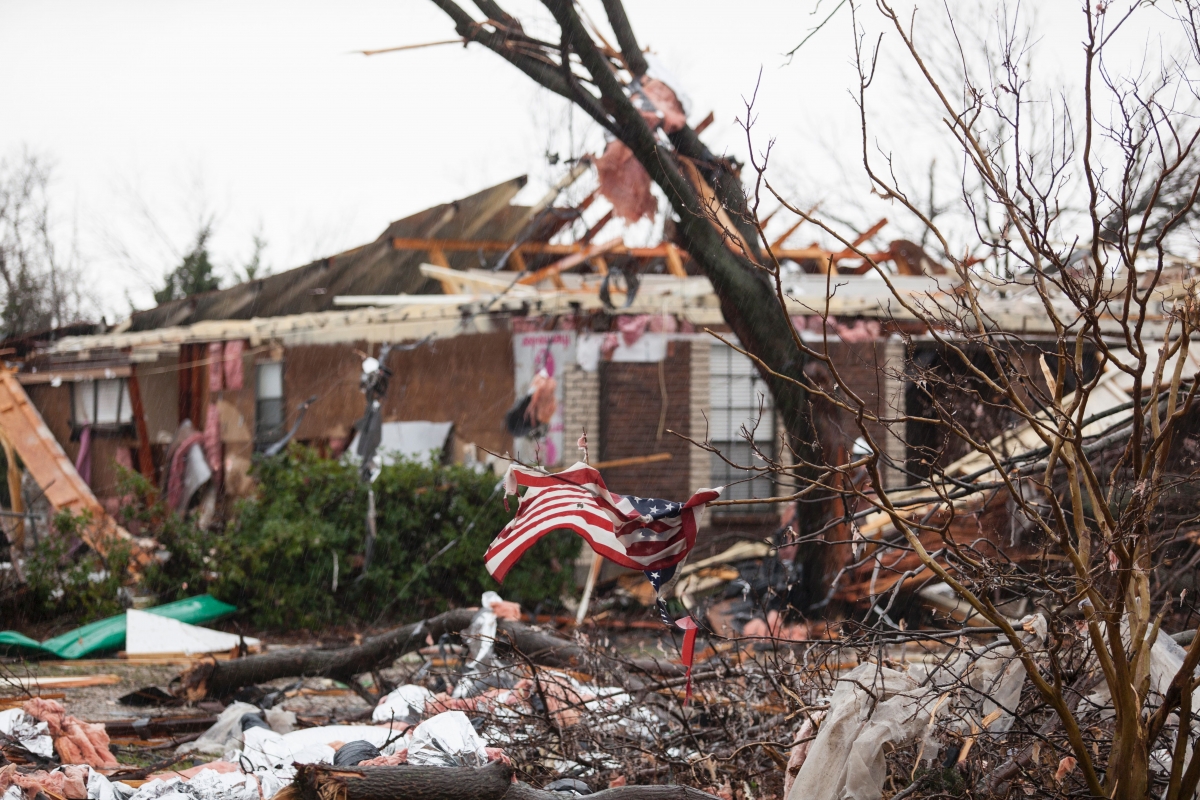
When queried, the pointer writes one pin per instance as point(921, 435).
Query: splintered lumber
point(223, 678)
point(491, 782)
point(569, 262)
point(54, 473)
point(63, 681)
point(321, 782)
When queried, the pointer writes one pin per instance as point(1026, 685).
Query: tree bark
point(223, 678)
point(492, 782)
point(323, 782)
point(522, 791)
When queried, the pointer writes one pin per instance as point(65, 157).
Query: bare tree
point(1073, 484)
point(41, 285)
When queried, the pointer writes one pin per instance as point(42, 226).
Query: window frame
point(264, 437)
point(116, 426)
point(727, 440)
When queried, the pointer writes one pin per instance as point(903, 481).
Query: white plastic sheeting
point(874, 706)
point(151, 634)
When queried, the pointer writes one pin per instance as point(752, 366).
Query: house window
point(268, 406)
point(739, 399)
point(101, 404)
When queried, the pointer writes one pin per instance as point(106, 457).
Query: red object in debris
point(689, 627)
point(625, 183)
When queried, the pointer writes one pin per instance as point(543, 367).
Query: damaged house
point(465, 304)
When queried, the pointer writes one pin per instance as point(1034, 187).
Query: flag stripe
point(577, 500)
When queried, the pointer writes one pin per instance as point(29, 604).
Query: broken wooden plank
point(7, 703)
point(62, 681)
point(527, 248)
point(51, 469)
point(569, 262)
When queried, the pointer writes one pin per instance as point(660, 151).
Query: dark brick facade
point(631, 403)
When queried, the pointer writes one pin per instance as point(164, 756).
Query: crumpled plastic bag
point(447, 740)
point(32, 734)
point(217, 739)
point(404, 704)
point(872, 706)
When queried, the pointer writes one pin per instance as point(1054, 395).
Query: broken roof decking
point(375, 268)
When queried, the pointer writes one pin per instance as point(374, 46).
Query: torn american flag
point(635, 532)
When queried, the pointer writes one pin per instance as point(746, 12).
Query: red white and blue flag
point(635, 532)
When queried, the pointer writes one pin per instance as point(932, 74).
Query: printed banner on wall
point(552, 351)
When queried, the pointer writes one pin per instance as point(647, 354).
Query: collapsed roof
point(371, 269)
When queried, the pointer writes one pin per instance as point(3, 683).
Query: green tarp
point(108, 635)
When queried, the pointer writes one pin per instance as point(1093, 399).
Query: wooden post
point(14, 492)
point(145, 459)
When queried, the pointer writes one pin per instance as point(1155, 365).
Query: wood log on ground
point(223, 678)
point(323, 782)
point(523, 791)
point(492, 782)
point(220, 679)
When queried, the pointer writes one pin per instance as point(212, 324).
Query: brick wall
point(581, 411)
point(631, 403)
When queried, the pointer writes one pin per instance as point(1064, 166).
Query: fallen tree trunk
point(493, 782)
point(322, 782)
point(223, 678)
point(523, 791)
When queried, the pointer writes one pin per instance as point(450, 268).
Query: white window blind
point(101, 403)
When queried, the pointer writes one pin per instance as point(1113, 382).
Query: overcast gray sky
point(258, 111)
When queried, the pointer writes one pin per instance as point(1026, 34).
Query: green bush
point(66, 580)
point(277, 556)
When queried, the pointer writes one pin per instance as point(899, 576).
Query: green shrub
point(278, 553)
point(66, 580)
point(275, 558)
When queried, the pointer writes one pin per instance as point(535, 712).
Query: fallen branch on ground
point(223, 678)
point(493, 782)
